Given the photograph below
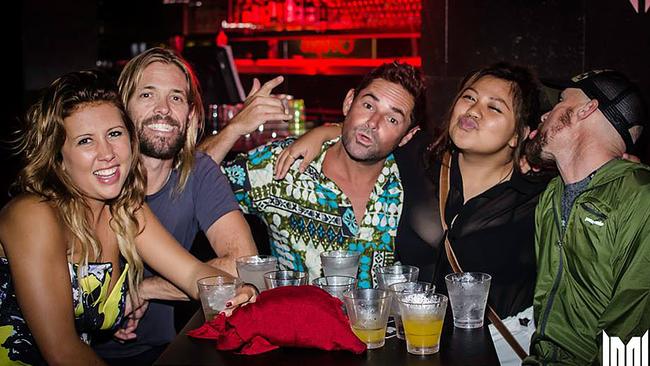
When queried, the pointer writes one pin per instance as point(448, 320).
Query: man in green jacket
point(592, 223)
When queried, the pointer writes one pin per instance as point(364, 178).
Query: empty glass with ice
point(214, 292)
point(468, 292)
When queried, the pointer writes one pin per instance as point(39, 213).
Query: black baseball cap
point(618, 98)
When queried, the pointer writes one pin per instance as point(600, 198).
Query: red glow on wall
point(323, 46)
point(177, 43)
point(305, 66)
point(222, 39)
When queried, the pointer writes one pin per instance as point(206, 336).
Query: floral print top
point(307, 213)
point(95, 308)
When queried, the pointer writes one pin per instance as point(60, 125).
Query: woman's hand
point(307, 146)
point(245, 295)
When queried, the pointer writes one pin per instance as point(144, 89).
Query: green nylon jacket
point(596, 275)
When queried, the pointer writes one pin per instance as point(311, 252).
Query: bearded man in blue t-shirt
point(185, 189)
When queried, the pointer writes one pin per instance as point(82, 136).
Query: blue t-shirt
point(206, 197)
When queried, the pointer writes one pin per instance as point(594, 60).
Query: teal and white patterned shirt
point(307, 213)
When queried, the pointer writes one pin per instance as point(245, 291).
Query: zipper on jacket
point(558, 276)
point(592, 210)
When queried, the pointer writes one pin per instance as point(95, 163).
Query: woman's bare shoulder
point(28, 203)
point(29, 212)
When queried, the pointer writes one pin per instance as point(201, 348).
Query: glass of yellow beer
point(423, 314)
point(368, 310)
point(403, 288)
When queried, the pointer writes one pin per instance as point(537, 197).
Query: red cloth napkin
point(289, 316)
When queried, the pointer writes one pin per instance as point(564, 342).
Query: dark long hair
point(409, 78)
point(525, 89)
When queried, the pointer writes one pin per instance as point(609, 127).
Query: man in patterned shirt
point(349, 197)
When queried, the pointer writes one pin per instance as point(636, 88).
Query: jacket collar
point(610, 171)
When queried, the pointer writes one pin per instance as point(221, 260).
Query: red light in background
point(177, 43)
point(320, 47)
point(222, 39)
point(325, 66)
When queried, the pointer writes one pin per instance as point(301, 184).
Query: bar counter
point(458, 347)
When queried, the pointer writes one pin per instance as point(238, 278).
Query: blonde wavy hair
point(128, 81)
point(43, 175)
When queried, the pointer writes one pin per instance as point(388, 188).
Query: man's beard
point(161, 147)
point(534, 149)
point(534, 152)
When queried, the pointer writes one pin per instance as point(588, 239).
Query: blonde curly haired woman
point(74, 240)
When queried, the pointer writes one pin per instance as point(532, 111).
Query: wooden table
point(458, 347)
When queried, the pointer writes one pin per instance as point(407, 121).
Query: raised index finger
point(266, 89)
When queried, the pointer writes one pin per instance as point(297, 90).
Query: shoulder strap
point(443, 192)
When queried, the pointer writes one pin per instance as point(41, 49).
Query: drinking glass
point(251, 269)
point(340, 263)
point(423, 314)
point(389, 275)
point(468, 292)
point(404, 288)
point(215, 291)
point(284, 278)
point(335, 285)
point(368, 310)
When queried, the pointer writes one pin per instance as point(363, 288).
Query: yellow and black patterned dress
point(95, 308)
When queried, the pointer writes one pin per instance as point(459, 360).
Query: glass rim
point(441, 299)
point(452, 277)
point(303, 274)
point(384, 293)
point(343, 254)
point(353, 281)
point(231, 280)
point(411, 269)
point(390, 287)
point(262, 259)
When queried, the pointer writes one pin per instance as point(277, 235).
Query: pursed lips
point(467, 123)
point(364, 139)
